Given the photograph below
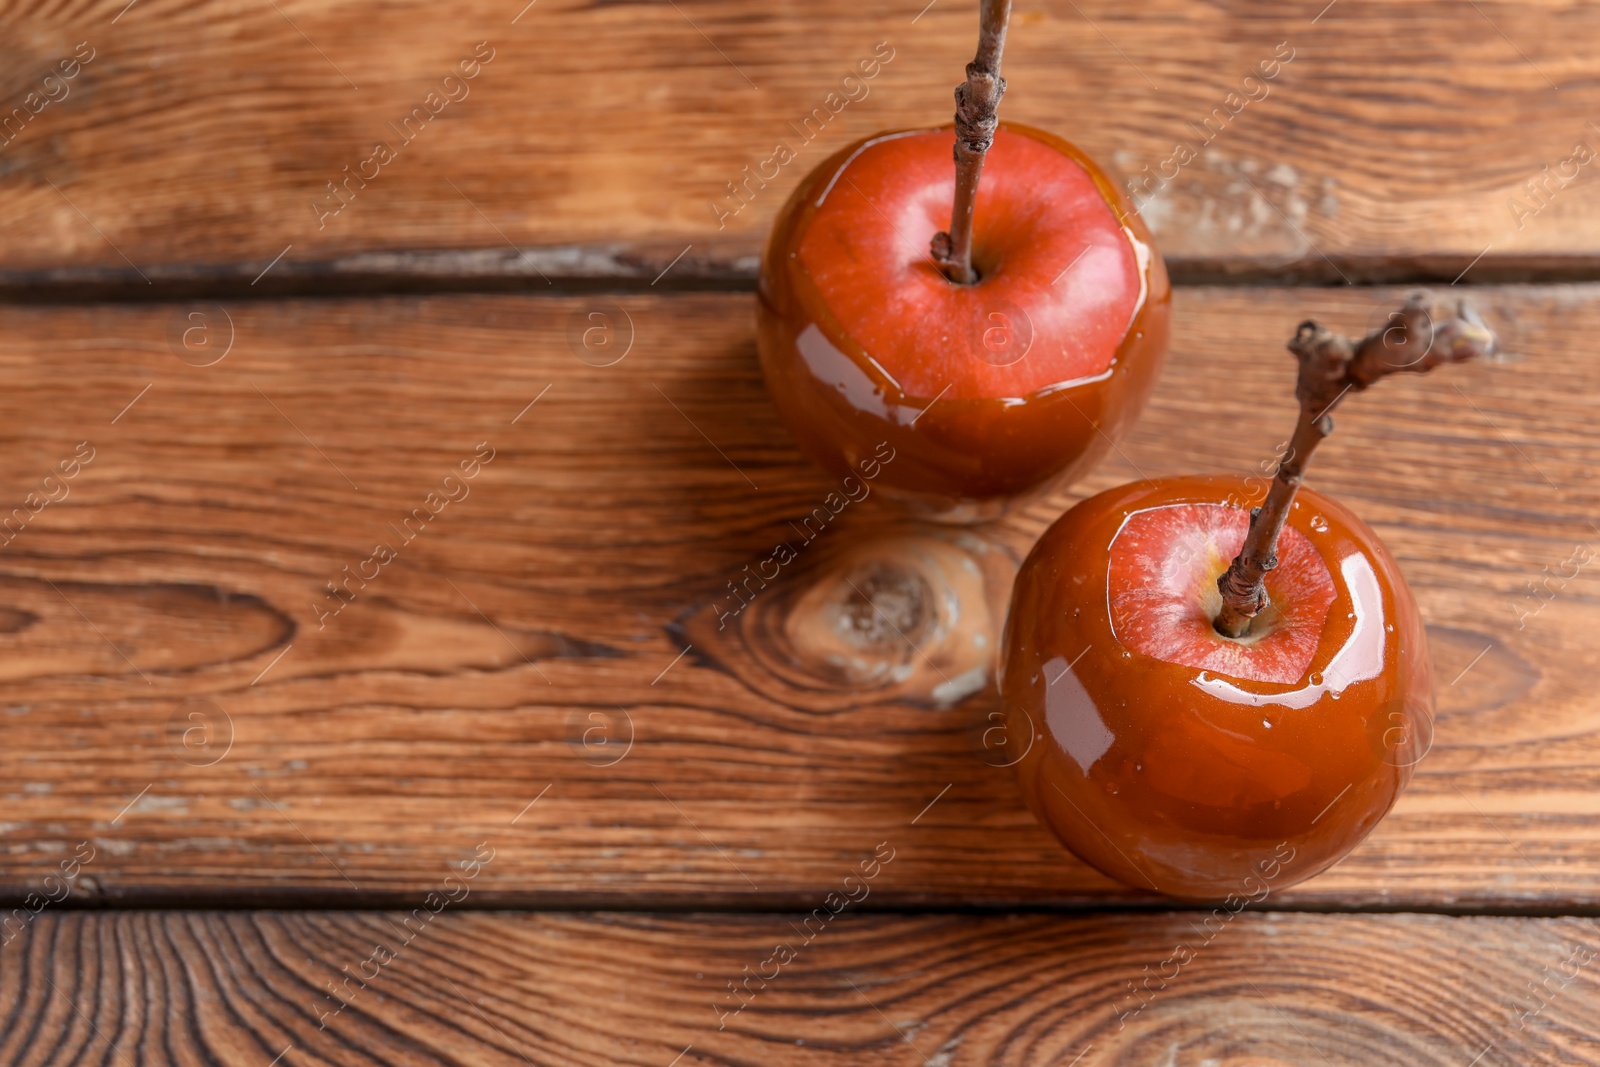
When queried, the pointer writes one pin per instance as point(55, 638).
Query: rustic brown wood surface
point(423, 602)
point(1346, 140)
point(1275, 990)
point(182, 695)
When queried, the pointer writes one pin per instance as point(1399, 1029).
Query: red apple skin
point(1003, 432)
point(1166, 776)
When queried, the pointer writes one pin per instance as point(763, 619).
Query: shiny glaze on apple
point(1007, 387)
point(1166, 758)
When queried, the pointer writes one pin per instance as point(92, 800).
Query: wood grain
point(181, 695)
point(1255, 990)
point(187, 154)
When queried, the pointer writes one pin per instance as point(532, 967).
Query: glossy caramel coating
point(957, 457)
point(1190, 782)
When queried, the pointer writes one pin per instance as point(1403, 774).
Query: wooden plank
point(181, 696)
point(1249, 990)
point(188, 153)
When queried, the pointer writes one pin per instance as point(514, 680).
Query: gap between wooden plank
point(728, 267)
point(583, 903)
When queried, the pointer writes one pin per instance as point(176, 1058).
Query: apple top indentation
point(1163, 599)
point(1060, 278)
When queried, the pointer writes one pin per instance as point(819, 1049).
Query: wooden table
point(515, 797)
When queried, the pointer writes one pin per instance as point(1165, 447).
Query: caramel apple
point(998, 358)
point(1208, 728)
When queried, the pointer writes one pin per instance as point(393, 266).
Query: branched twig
point(977, 102)
point(1331, 367)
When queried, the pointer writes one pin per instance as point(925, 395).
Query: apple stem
point(977, 102)
point(1332, 366)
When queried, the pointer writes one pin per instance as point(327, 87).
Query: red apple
point(1174, 758)
point(1008, 386)
point(1220, 700)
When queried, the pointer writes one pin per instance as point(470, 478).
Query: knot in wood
point(895, 605)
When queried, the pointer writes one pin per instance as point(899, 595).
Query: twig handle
point(977, 116)
point(1416, 338)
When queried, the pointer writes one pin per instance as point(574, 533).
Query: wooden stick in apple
point(977, 102)
point(1416, 338)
